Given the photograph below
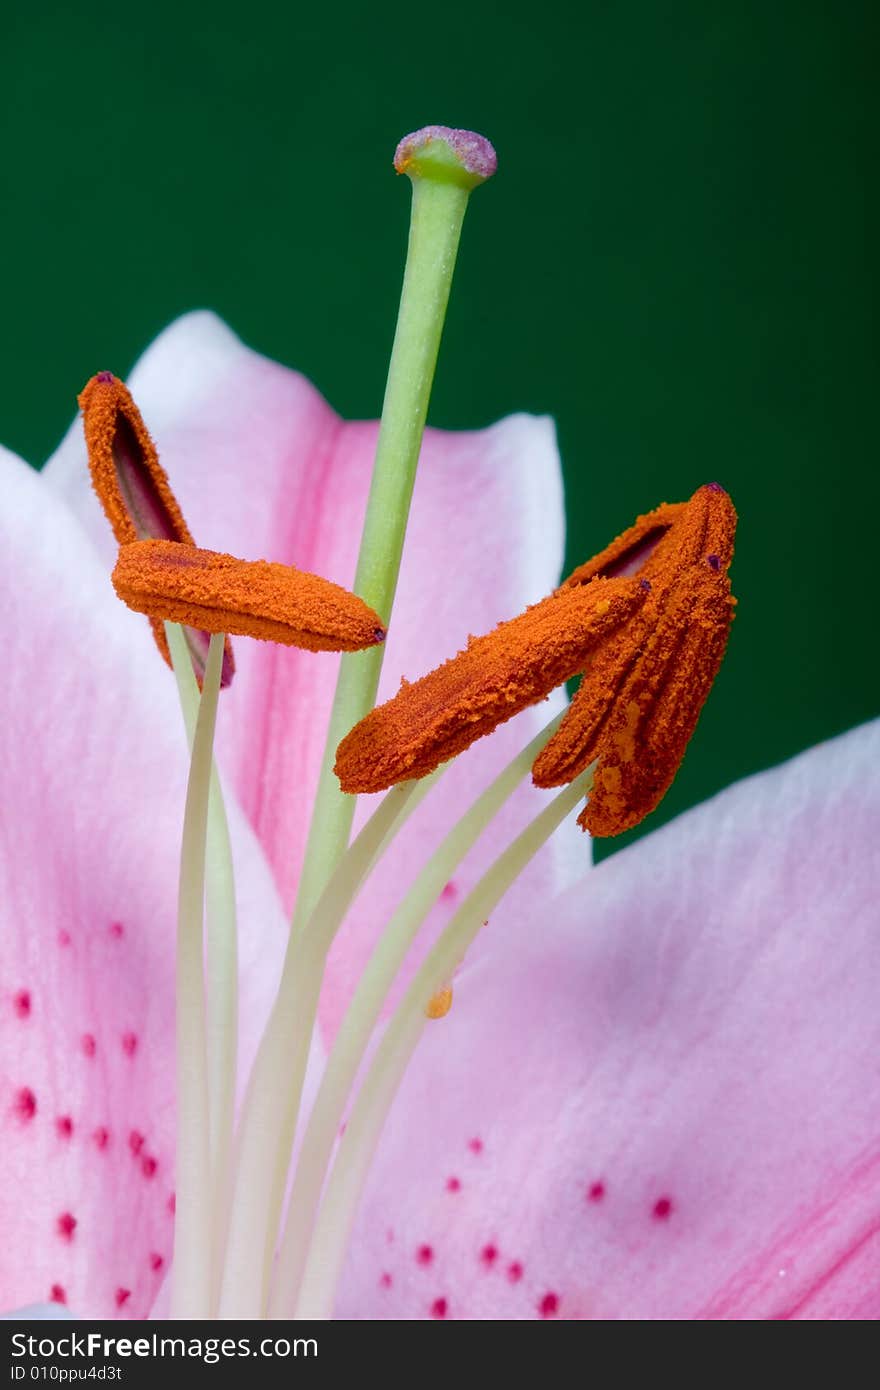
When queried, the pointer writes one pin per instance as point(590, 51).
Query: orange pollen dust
point(133, 488)
point(521, 662)
point(253, 598)
point(646, 622)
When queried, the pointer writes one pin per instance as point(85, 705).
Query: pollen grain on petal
point(255, 598)
point(439, 1004)
point(492, 679)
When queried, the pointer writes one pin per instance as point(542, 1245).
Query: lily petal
point(37, 1312)
point(264, 468)
point(673, 1096)
point(93, 766)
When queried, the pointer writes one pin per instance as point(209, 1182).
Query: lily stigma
point(288, 1074)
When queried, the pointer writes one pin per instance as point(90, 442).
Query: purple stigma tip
point(474, 152)
point(379, 633)
point(714, 562)
point(105, 376)
point(645, 584)
point(715, 487)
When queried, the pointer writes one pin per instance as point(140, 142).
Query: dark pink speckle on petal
point(66, 1225)
point(22, 1003)
point(439, 1308)
point(25, 1104)
point(424, 1254)
point(662, 1209)
point(549, 1305)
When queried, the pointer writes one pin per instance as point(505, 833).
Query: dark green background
point(674, 261)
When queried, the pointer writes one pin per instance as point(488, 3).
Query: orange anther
point(254, 598)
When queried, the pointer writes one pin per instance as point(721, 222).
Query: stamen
point(221, 961)
point(628, 552)
point(191, 1274)
point(271, 1104)
point(638, 704)
point(131, 484)
point(133, 488)
point(649, 645)
point(253, 598)
point(659, 705)
point(496, 676)
point(394, 1052)
point(363, 1012)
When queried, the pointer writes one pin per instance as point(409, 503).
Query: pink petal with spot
point(92, 765)
point(672, 1098)
point(264, 468)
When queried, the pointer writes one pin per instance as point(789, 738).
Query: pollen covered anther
point(496, 676)
point(133, 488)
point(253, 598)
point(131, 484)
point(638, 705)
point(646, 621)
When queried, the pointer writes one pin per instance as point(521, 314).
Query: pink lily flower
point(655, 1096)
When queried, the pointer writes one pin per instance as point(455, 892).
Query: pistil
point(443, 165)
point(134, 491)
